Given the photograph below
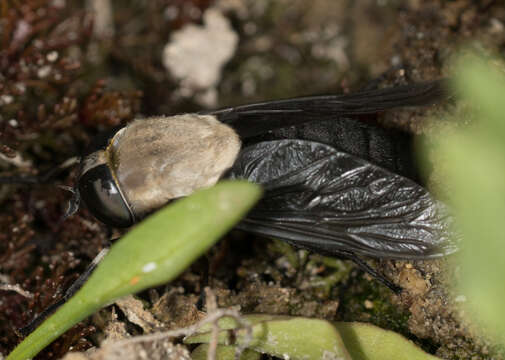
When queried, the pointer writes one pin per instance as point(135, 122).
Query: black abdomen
point(388, 148)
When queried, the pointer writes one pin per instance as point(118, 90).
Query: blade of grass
point(295, 338)
point(314, 339)
point(369, 342)
point(154, 252)
point(474, 169)
point(223, 353)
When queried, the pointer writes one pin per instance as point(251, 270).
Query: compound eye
point(102, 197)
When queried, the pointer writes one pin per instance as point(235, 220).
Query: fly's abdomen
point(388, 148)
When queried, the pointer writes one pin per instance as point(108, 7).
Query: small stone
point(44, 71)
point(196, 54)
point(52, 56)
point(6, 99)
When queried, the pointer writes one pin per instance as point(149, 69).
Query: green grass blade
point(314, 339)
point(473, 165)
point(369, 342)
point(223, 353)
point(154, 252)
point(295, 338)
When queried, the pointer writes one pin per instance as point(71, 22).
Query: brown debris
point(159, 350)
point(177, 310)
point(135, 312)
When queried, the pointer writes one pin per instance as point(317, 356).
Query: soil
point(68, 73)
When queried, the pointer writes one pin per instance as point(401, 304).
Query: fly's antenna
point(39, 179)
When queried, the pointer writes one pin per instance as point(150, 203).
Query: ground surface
point(67, 74)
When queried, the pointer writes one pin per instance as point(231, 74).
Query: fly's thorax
point(162, 158)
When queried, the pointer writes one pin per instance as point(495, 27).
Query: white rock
point(196, 54)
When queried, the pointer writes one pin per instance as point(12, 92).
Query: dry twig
point(214, 315)
point(16, 288)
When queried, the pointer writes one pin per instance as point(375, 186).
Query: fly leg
point(374, 273)
point(44, 179)
point(76, 285)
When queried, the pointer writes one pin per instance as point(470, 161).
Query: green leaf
point(153, 253)
point(369, 342)
point(474, 165)
point(482, 85)
point(313, 339)
point(223, 353)
point(285, 337)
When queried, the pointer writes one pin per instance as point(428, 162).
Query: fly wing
point(255, 119)
point(334, 203)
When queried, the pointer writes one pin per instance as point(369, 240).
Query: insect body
point(152, 161)
point(333, 184)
